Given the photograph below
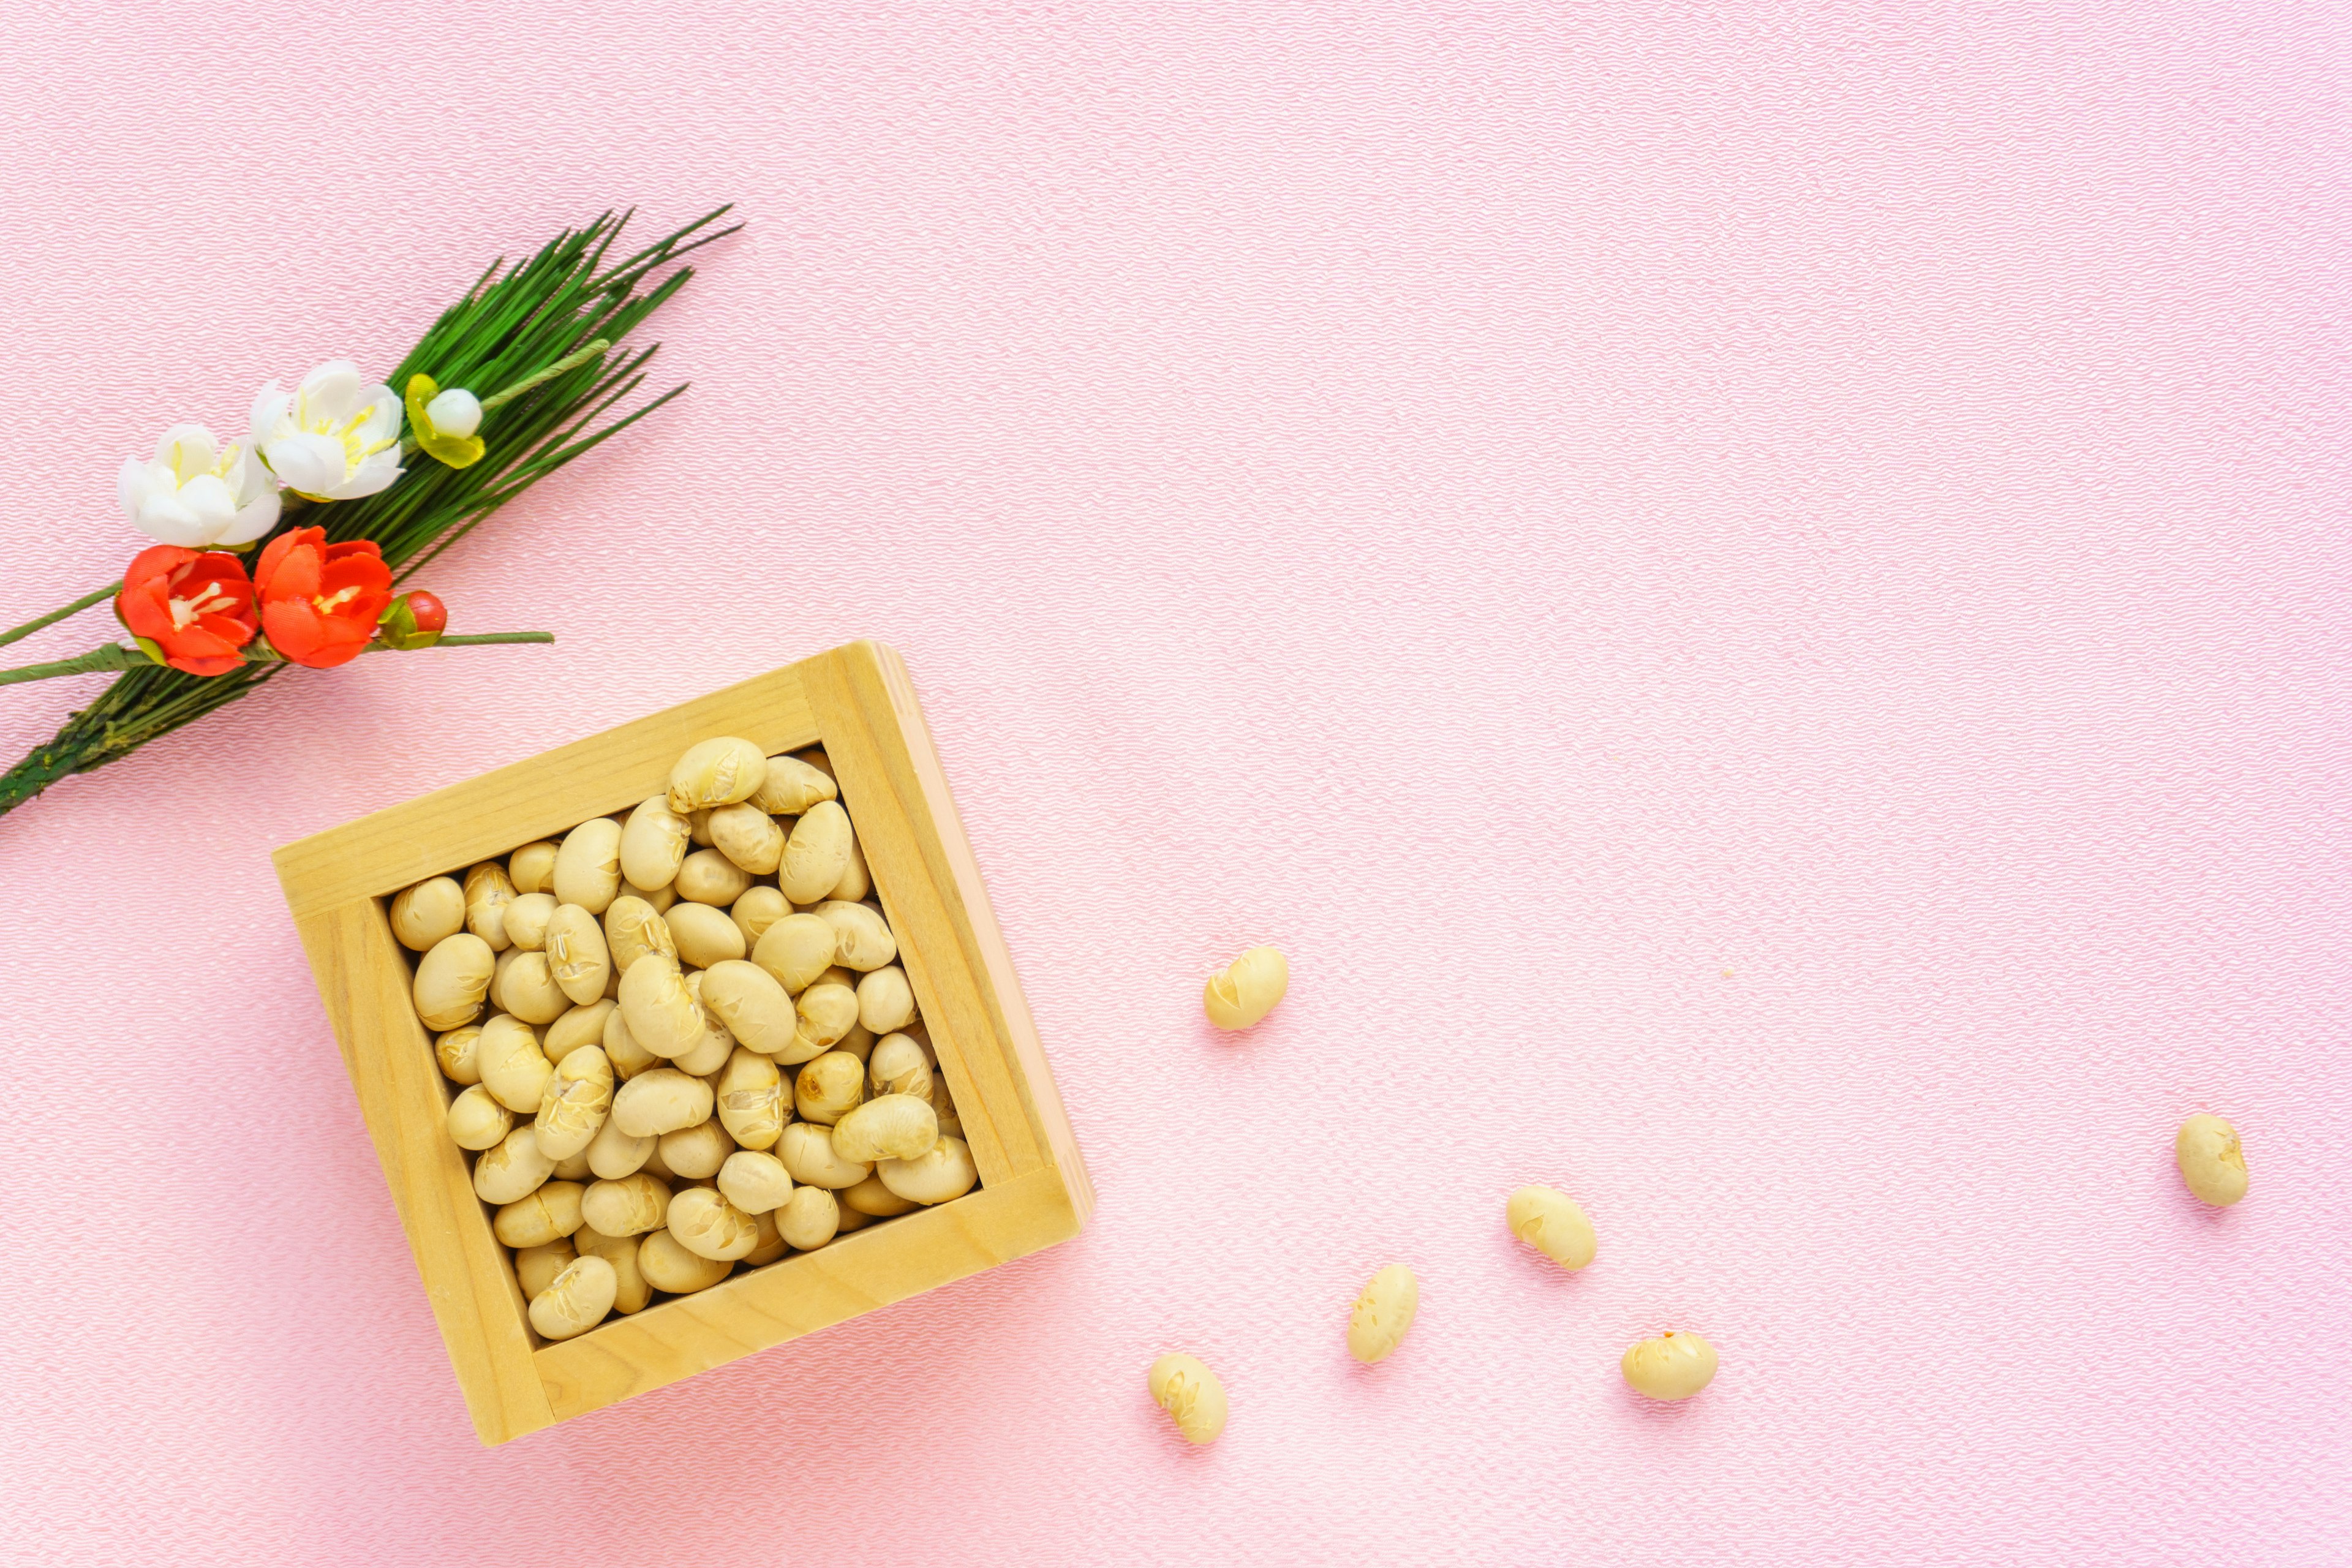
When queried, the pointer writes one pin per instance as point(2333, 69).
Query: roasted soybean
point(753, 1182)
point(627, 1205)
point(1549, 1221)
point(717, 772)
point(707, 877)
point(669, 1265)
point(531, 868)
point(426, 913)
point(707, 1226)
point(698, 1152)
point(476, 1120)
point(527, 917)
point(1383, 1313)
point(653, 844)
point(538, 1216)
point(488, 894)
point(577, 958)
point(1190, 1394)
point(892, 1127)
point(1247, 989)
point(451, 980)
point(816, 853)
point(588, 866)
point(577, 1300)
point(578, 1097)
point(1672, 1366)
point(660, 1101)
point(884, 1001)
point(809, 1218)
point(795, 951)
point(2212, 1159)
point(704, 935)
point(945, 1172)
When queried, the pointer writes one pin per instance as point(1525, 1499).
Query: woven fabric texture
point(1755, 595)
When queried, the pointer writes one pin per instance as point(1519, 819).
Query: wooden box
point(858, 702)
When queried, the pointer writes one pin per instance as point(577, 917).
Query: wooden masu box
point(858, 702)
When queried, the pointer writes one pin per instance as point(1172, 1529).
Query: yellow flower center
point(355, 449)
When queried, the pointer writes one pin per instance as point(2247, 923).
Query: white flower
point(195, 494)
point(334, 437)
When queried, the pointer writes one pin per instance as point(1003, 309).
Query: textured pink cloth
point(1754, 593)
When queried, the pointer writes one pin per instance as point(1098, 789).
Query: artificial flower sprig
point(325, 486)
point(334, 437)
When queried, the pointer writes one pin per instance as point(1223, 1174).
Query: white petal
point(152, 479)
point(269, 407)
point(374, 473)
point(188, 450)
point(164, 517)
point(382, 421)
point(131, 488)
point(257, 518)
point(209, 500)
point(331, 393)
point(247, 477)
point(311, 463)
point(456, 411)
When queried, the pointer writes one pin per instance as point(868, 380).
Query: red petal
point(153, 563)
point(335, 642)
point(310, 541)
point(141, 606)
point(331, 654)
point(232, 633)
point(220, 570)
point(201, 666)
point(297, 577)
point(355, 572)
point(293, 627)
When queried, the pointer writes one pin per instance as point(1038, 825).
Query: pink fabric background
point(1754, 593)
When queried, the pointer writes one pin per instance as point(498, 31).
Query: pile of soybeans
point(681, 1042)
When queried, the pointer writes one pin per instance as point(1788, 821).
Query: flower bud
point(413, 621)
point(443, 423)
point(456, 411)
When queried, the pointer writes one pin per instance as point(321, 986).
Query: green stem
point(481, 637)
point(563, 367)
point(110, 656)
point(115, 656)
point(77, 607)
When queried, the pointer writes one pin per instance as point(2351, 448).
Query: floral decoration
point(333, 438)
point(321, 602)
point(190, 610)
point(197, 493)
point(325, 486)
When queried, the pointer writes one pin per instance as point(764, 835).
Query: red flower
point(319, 601)
point(196, 609)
